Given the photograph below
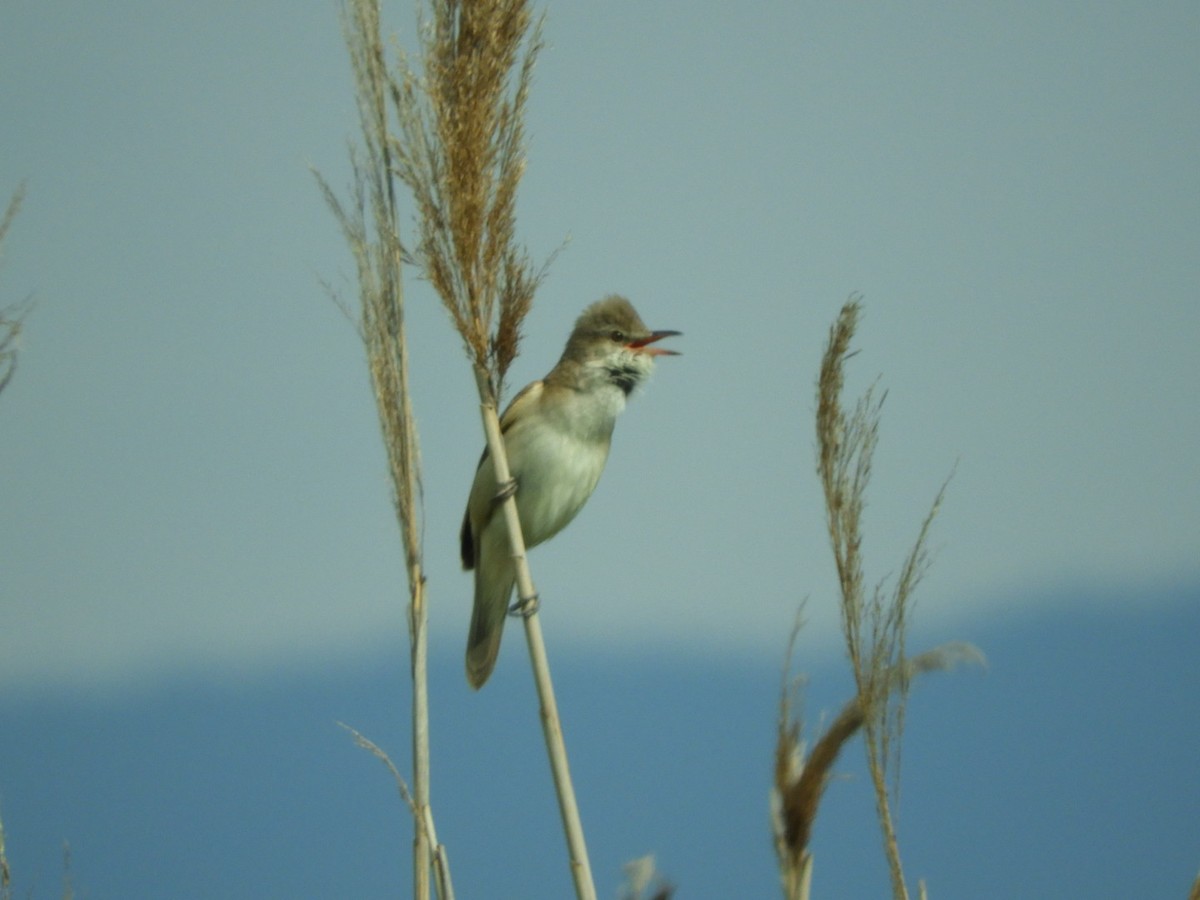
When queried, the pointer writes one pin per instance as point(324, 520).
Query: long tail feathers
point(487, 623)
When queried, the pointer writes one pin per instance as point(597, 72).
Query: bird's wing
point(466, 541)
point(525, 398)
point(480, 505)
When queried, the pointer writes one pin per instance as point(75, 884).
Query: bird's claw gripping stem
point(505, 490)
point(525, 607)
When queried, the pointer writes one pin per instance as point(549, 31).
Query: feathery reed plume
point(369, 223)
point(12, 317)
point(874, 627)
point(461, 152)
point(800, 782)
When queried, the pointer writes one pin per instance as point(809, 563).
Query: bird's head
point(610, 337)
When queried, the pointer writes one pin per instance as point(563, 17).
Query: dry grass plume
point(369, 220)
point(461, 152)
point(874, 626)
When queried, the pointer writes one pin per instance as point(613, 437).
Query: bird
point(557, 433)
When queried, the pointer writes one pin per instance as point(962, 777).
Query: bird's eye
point(617, 336)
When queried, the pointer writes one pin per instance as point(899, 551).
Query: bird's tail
point(492, 591)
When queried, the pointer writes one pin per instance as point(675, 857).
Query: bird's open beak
point(643, 344)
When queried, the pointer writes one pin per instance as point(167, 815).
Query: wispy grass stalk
point(422, 816)
point(874, 626)
point(10, 330)
point(369, 222)
point(11, 317)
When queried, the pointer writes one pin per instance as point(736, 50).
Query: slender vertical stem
point(581, 871)
point(804, 888)
point(890, 844)
point(417, 622)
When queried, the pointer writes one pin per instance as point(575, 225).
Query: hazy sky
point(194, 475)
point(193, 480)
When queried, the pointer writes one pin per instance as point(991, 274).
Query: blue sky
point(195, 513)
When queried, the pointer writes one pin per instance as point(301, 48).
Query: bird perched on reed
point(557, 432)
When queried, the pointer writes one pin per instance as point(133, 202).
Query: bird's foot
point(505, 491)
point(525, 607)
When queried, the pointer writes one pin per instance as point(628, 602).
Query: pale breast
point(556, 473)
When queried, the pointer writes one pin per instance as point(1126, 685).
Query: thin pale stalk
point(441, 866)
point(890, 844)
point(418, 614)
point(371, 228)
point(556, 749)
point(805, 885)
point(797, 879)
point(419, 645)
